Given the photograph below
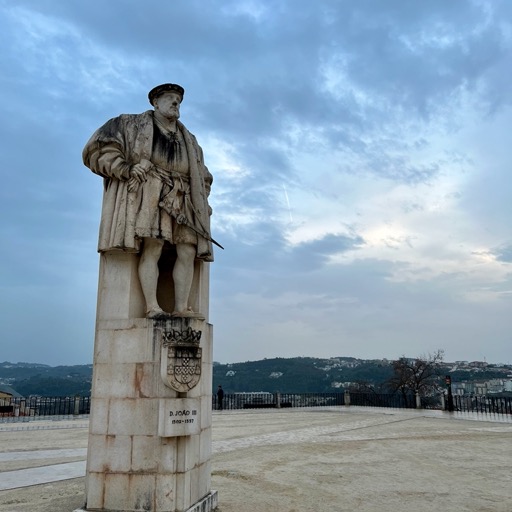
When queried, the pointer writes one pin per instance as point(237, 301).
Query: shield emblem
point(181, 358)
point(183, 367)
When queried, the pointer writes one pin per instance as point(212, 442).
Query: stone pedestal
point(149, 444)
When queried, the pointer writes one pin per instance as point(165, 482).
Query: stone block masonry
point(138, 459)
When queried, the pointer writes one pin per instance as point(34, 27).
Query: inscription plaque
point(179, 417)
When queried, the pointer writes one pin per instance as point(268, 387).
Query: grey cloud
point(404, 69)
point(503, 253)
point(311, 255)
point(259, 260)
point(411, 60)
point(419, 53)
point(447, 50)
point(371, 310)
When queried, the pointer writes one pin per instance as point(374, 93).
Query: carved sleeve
point(105, 152)
point(108, 161)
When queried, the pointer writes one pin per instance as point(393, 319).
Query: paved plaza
point(294, 460)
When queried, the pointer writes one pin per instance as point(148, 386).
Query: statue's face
point(168, 104)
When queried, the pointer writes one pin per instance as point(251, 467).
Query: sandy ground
point(337, 460)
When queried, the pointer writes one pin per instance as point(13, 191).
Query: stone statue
point(156, 191)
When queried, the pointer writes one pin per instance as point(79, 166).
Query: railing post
point(347, 397)
point(418, 401)
point(278, 400)
point(76, 410)
point(443, 406)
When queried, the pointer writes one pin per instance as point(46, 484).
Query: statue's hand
point(138, 172)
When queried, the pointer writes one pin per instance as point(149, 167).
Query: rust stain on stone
point(139, 378)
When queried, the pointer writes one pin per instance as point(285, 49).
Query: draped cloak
point(111, 151)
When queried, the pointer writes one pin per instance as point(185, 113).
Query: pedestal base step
point(208, 504)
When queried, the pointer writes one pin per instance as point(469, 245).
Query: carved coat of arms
point(181, 359)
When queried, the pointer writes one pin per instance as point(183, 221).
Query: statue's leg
point(148, 274)
point(183, 274)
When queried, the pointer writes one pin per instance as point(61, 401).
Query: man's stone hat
point(160, 89)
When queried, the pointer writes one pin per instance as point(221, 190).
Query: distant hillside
point(41, 379)
point(299, 374)
point(287, 375)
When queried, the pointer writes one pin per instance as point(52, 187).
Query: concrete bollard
point(347, 397)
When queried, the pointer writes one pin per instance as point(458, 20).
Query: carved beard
point(172, 114)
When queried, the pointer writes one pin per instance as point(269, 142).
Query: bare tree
point(420, 375)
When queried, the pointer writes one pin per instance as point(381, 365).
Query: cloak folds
point(111, 151)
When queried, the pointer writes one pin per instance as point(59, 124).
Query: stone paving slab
point(43, 454)
point(462, 458)
point(41, 475)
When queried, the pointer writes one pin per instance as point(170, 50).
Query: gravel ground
point(309, 460)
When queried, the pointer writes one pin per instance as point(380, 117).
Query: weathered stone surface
point(150, 422)
point(155, 197)
point(133, 452)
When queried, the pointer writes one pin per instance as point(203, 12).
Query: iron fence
point(276, 400)
point(311, 399)
point(483, 403)
point(393, 400)
point(282, 400)
point(33, 408)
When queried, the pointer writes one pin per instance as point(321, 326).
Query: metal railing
point(33, 408)
point(278, 400)
point(282, 400)
point(392, 400)
point(476, 403)
point(483, 403)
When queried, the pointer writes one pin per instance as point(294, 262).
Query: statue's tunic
point(174, 194)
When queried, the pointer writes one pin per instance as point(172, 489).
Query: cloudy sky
point(361, 152)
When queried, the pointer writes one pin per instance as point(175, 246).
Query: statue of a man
point(156, 190)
